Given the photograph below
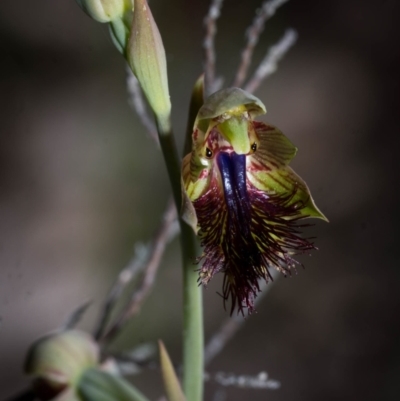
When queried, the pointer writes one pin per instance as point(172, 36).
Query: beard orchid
point(242, 198)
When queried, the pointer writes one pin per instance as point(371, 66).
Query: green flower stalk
point(245, 201)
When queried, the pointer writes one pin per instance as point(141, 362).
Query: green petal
point(193, 185)
point(284, 181)
point(274, 150)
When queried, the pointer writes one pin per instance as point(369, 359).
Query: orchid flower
point(242, 198)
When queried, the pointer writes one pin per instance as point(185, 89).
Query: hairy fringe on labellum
point(244, 246)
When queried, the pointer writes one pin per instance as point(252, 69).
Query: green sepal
point(191, 190)
point(230, 100)
point(172, 386)
point(188, 212)
point(97, 385)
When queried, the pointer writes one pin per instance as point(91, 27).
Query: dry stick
point(75, 317)
point(231, 325)
point(260, 381)
point(126, 275)
point(164, 235)
point(270, 62)
point(137, 103)
point(166, 232)
point(253, 33)
point(209, 45)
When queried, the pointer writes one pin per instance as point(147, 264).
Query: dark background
point(81, 182)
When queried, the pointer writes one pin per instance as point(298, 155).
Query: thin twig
point(136, 101)
point(165, 233)
point(260, 381)
point(209, 45)
point(75, 317)
point(231, 325)
point(126, 275)
point(162, 238)
point(129, 365)
point(270, 62)
point(253, 33)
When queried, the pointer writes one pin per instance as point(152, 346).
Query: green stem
point(193, 341)
point(172, 161)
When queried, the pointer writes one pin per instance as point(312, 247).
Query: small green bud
point(57, 361)
point(146, 57)
point(119, 32)
point(105, 10)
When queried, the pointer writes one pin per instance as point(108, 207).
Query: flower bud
point(119, 32)
point(146, 57)
point(57, 361)
point(105, 10)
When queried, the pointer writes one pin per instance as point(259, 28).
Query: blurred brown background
point(81, 183)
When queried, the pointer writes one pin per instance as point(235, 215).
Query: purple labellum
point(241, 247)
point(233, 173)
